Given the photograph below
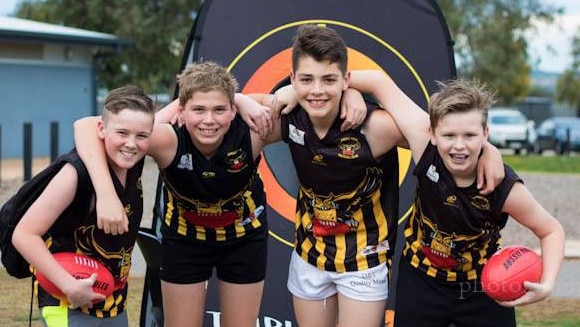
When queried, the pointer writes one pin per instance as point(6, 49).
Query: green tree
point(490, 41)
point(158, 29)
point(568, 85)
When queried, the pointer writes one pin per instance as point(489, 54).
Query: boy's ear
point(101, 129)
point(346, 80)
point(432, 136)
point(485, 133)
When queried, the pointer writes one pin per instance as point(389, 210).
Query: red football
point(80, 266)
point(504, 273)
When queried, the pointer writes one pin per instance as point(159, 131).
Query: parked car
point(510, 129)
point(561, 134)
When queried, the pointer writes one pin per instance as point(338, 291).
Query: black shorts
point(241, 261)
point(425, 301)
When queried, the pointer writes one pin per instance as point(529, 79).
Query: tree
point(490, 41)
point(158, 28)
point(568, 85)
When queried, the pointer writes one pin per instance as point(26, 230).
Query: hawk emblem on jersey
point(348, 147)
point(213, 215)
point(334, 214)
point(444, 250)
point(119, 262)
point(237, 160)
point(326, 220)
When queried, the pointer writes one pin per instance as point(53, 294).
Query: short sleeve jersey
point(347, 201)
point(217, 199)
point(76, 231)
point(453, 230)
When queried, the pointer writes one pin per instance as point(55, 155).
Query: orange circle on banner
point(268, 76)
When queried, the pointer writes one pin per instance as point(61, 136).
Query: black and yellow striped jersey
point(78, 232)
point(217, 199)
point(347, 201)
point(453, 230)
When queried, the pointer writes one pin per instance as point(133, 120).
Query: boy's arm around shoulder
point(111, 215)
point(163, 144)
point(411, 120)
point(526, 210)
point(38, 219)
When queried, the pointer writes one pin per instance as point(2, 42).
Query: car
point(510, 129)
point(560, 134)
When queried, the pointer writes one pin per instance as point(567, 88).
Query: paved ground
point(557, 193)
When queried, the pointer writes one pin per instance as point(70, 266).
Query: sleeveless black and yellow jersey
point(213, 200)
point(114, 251)
point(453, 230)
point(347, 202)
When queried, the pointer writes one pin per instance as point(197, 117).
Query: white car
point(510, 129)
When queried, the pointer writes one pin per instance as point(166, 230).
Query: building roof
point(17, 29)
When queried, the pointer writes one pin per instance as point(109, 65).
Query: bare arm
point(111, 216)
point(524, 208)
point(41, 215)
point(490, 170)
point(412, 121)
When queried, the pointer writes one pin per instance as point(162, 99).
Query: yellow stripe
point(280, 239)
point(341, 252)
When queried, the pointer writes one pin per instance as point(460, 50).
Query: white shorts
point(310, 283)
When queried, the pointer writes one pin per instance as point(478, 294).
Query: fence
point(27, 153)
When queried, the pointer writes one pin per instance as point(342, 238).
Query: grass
point(15, 302)
point(544, 164)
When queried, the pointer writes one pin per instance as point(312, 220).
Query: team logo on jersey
point(348, 147)
point(237, 160)
point(207, 174)
point(451, 200)
point(90, 241)
point(318, 159)
point(186, 162)
point(432, 174)
point(295, 134)
point(480, 202)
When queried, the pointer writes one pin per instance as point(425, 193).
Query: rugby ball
point(80, 266)
point(504, 274)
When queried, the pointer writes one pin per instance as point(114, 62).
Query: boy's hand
point(81, 294)
point(536, 292)
point(177, 118)
point(259, 118)
point(490, 170)
point(111, 216)
point(353, 109)
point(284, 100)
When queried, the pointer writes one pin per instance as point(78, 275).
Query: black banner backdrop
point(408, 39)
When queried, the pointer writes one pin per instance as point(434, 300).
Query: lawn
point(544, 164)
point(15, 302)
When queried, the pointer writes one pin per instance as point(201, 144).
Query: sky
point(549, 47)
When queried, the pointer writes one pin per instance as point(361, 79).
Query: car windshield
point(508, 120)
